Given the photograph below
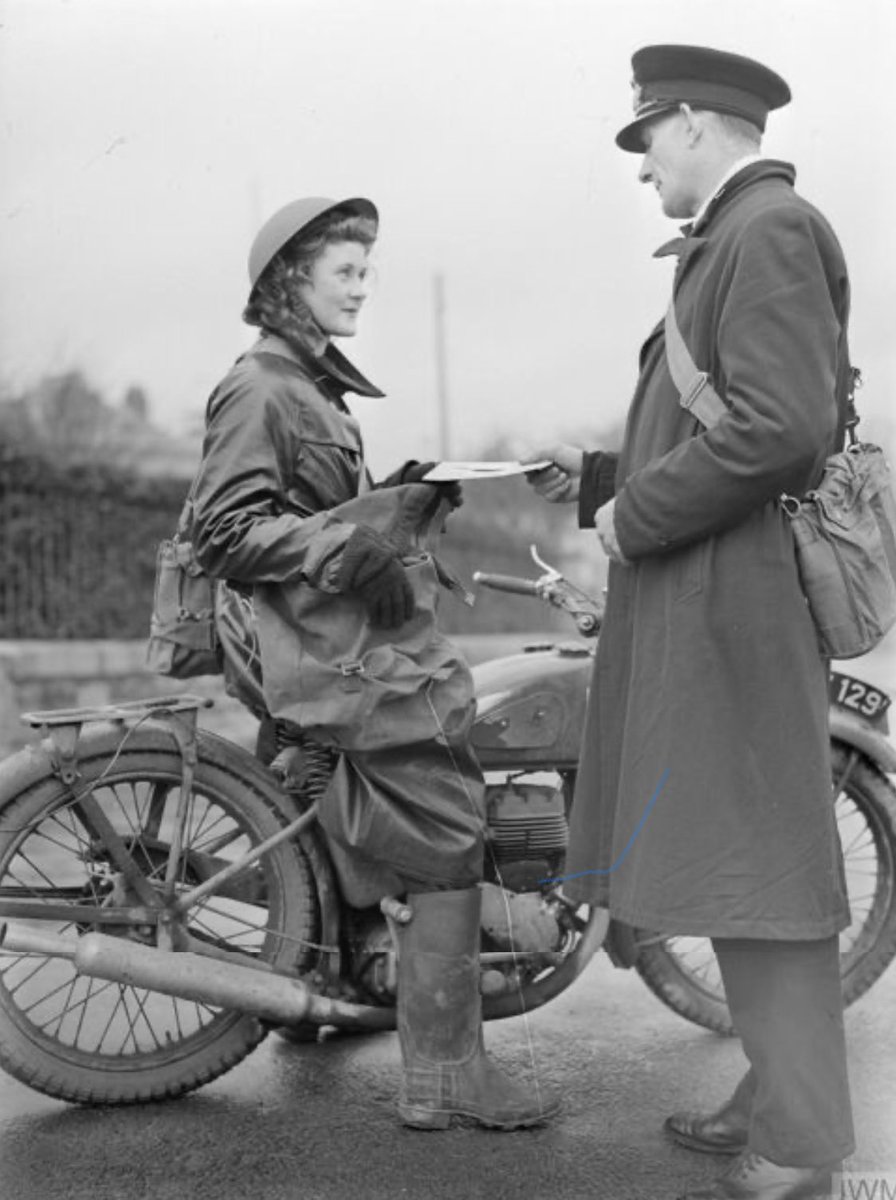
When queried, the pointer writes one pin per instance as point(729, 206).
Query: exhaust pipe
point(29, 941)
point(186, 976)
point(194, 977)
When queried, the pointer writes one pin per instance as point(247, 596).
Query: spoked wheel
point(683, 971)
point(98, 857)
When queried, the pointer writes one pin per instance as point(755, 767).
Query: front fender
point(855, 732)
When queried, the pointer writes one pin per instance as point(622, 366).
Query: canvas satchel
point(326, 669)
point(407, 793)
point(844, 530)
point(183, 641)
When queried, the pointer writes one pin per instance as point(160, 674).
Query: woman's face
point(336, 286)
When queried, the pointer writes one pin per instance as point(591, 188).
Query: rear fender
point(102, 739)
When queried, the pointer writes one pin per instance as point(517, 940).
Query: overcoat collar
point(690, 244)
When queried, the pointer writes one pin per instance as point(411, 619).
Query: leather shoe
point(752, 1177)
point(721, 1132)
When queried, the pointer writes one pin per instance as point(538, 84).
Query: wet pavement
point(317, 1122)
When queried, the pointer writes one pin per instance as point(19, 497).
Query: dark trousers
point(786, 1003)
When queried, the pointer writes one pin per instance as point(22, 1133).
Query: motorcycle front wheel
point(87, 1040)
point(683, 971)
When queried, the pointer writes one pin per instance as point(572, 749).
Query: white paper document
point(448, 472)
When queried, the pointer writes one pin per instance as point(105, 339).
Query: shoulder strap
point(185, 520)
point(697, 394)
point(852, 413)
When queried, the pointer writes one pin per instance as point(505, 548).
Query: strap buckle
point(691, 398)
point(703, 401)
point(351, 673)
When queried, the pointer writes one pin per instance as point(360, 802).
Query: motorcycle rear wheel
point(684, 973)
point(90, 1041)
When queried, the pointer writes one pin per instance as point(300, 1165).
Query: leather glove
point(413, 472)
point(371, 568)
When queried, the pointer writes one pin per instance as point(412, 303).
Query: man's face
point(669, 164)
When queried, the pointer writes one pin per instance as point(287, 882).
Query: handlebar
point(554, 590)
point(507, 583)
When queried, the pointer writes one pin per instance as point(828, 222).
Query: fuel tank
point(531, 707)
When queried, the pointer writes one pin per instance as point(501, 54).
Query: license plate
point(859, 697)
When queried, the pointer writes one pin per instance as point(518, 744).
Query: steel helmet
point(292, 219)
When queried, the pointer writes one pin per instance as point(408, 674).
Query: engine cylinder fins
point(530, 836)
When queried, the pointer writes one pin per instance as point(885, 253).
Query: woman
point(282, 456)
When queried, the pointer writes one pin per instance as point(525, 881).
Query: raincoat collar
point(330, 366)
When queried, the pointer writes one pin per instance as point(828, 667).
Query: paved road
point(316, 1123)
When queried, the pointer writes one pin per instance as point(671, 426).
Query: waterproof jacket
point(703, 801)
point(282, 455)
point(280, 449)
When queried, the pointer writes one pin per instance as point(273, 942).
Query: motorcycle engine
point(527, 833)
point(526, 844)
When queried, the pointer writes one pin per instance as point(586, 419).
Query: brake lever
point(551, 574)
point(554, 587)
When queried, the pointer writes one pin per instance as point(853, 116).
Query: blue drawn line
point(631, 841)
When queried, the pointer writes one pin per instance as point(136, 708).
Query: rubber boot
point(447, 1072)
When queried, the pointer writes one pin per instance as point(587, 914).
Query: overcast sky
point(143, 141)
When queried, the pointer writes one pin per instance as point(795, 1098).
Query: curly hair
point(336, 226)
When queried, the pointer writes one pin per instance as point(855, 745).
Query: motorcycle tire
point(683, 972)
point(86, 1040)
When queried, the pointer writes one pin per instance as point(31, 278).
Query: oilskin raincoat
point(703, 802)
point(281, 453)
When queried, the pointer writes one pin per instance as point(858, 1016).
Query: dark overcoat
point(703, 802)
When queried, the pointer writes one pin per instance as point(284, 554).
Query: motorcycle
point(167, 898)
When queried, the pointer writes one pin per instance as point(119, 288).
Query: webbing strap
point(185, 520)
point(697, 394)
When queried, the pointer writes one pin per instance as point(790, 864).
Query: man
point(709, 706)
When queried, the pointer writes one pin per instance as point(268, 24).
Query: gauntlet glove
point(370, 567)
point(413, 472)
